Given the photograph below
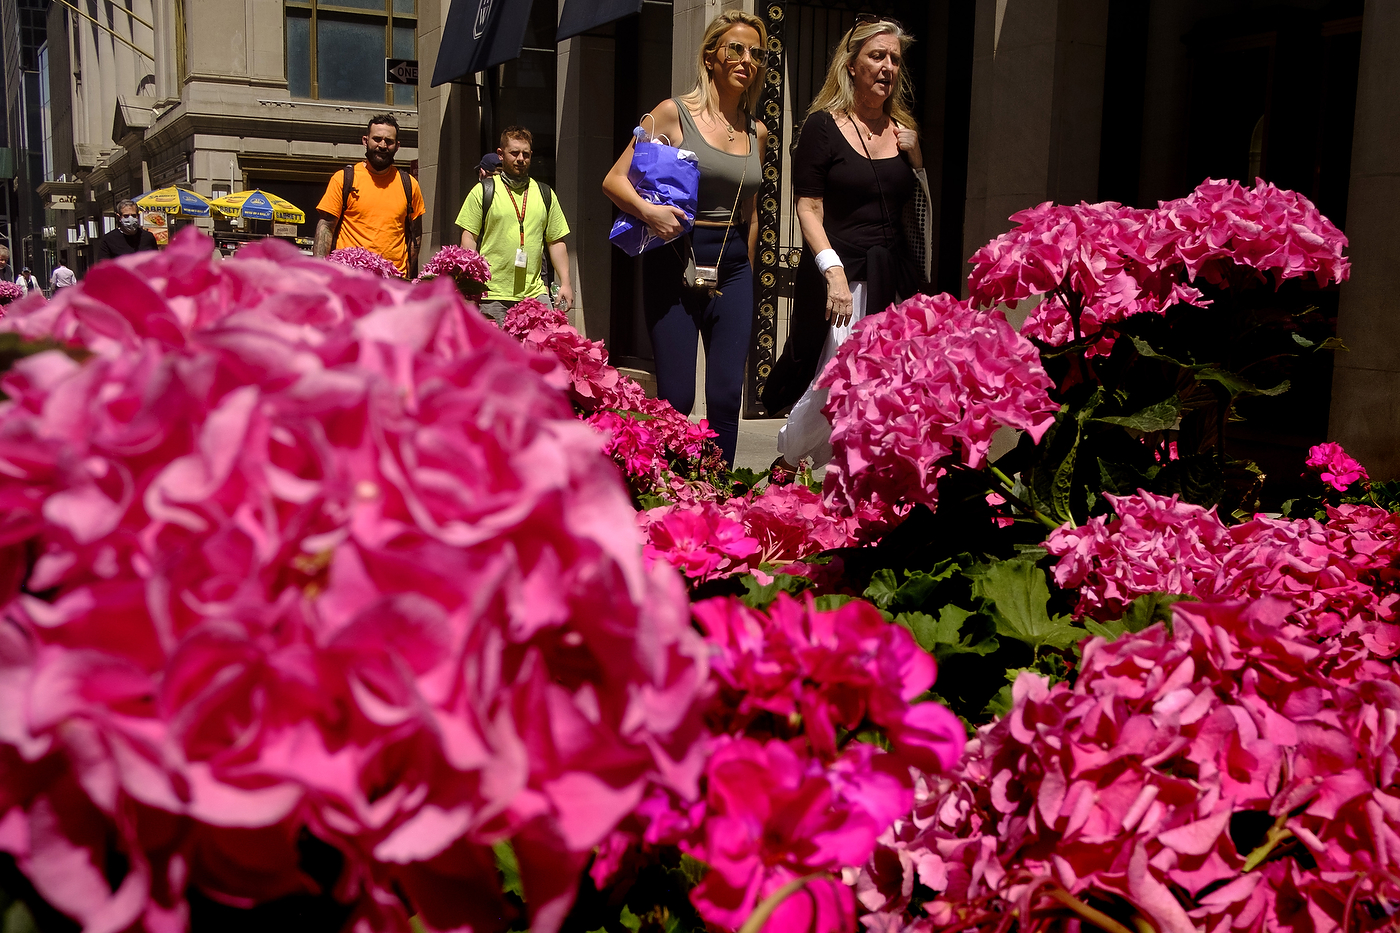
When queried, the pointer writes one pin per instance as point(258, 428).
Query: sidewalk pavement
point(758, 442)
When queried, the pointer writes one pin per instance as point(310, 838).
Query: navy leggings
point(677, 316)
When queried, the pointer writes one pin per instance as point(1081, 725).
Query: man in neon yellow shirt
point(521, 220)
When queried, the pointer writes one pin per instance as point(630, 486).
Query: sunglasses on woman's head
point(734, 52)
point(864, 18)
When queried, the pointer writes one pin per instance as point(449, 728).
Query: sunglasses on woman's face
point(734, 52)
point(864, 18)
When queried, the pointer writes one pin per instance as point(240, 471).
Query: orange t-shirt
point(374, 214)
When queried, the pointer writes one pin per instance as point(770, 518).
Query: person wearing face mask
point(373, 205)
point(856, 165)
point(128, 237)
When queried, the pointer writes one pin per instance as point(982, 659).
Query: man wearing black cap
point(513, 220)
point(489, 165)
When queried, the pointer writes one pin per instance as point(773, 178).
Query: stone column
point(449, 117)
point(585, 153)
point(1037, 109)
point(1365, 412)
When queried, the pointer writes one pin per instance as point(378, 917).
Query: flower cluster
point(1223, 225)
point(1096, 264)
point(1340, 576)
point(459, 264)
point(1156, 544)
point(366, 260)
point(659, 450)
point(773, 526)
point(10, 291)
point(1086, 259)
point(321, 554)
point(923, 386)
point(1336, 468)
point(789, 790)
point(1205, 776)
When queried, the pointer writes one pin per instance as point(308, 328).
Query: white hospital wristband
point(828, 259)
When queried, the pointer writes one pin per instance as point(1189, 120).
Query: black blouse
point(862, 199)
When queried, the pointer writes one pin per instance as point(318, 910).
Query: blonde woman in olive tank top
point(715, 121)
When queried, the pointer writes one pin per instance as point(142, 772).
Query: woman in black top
point(856, 165)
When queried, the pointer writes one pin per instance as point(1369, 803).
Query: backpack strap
point(546, 267)
point(347, 181)
point(488, 192)
point(407, 216)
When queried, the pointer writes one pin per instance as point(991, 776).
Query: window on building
point(336, 48)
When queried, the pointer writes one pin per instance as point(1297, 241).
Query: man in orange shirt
point(380, 210)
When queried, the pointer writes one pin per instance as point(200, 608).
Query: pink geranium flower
point(1336, 468)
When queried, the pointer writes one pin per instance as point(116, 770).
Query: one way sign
point(400, 71)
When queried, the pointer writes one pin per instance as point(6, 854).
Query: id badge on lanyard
point(521, 260)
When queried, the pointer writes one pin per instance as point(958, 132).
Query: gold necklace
point(728, 127)
point(869, 133)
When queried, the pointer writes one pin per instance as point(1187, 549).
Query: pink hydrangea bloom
point(1125, 788)
point(1223, 225)
point(1339, 577)
point(459, 263)
point(10, 291)
point(1336, 468)
point(322, 554)
point(1156, 544)
point(1107, 262)
point(357, 257)
point(923, 386)
point(1090, 255)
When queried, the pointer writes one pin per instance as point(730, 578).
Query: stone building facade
point(218, 97)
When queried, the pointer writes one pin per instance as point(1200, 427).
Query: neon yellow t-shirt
point(503, 236)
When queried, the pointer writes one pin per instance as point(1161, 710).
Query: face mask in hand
point(129, 225)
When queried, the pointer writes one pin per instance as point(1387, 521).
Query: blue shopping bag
point(661, 174)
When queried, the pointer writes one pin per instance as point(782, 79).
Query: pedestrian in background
point(27, 281)
point(128, 237)
point(373, 205)
point(512, 220)
point(7, 272)
point(856, 165)
point(62, 276)
point(489, 165)
point(715, 120)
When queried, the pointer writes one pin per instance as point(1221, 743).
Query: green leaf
point(760, 596)
point(944, 637)
point(918, 585)
point(1062, 486)
point(1159, 417)
point(1197, 478)
point(830, 601)
point(746, 476)
point(1146, 349)
point(1019, 594)
point(1120, 479)
point(509, 867)
point(1235, 384)
point(1333, 343)
point(883, 588)
point(18, 919)
point(1302, 341)
point(647, 501)
point(630, 920)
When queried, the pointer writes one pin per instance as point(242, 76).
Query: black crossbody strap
point(407, 214)
point(347, 181)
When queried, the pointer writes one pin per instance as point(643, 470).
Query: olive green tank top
point(721, 172)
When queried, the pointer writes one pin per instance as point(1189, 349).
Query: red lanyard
point(520, 209)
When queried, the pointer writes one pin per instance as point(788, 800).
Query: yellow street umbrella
point(179, 202)
point(258, 205)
